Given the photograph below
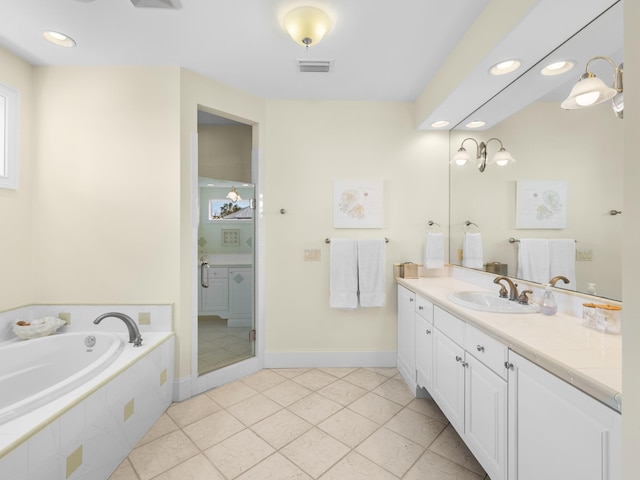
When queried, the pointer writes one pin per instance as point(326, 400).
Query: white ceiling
point(384, 50)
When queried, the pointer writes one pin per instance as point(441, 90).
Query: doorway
point(226, 244)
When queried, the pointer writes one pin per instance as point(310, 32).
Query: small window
point(224, 209)
point(8, 137)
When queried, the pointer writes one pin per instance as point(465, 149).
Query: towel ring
point(469, 223)
point(431, 223)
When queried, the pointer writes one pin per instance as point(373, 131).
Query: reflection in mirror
point(8, 137)
point(583, 148)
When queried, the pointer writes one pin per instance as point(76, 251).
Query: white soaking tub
point(35, 372)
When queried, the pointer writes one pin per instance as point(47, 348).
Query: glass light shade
point(307, 25)
point(588, 91)
point(461, 157)
point(233, 195)
point(502, 158)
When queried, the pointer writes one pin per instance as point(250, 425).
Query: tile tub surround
point(301, 423)
point(585, 358)
point(86, 433)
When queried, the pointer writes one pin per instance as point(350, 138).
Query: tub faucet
point(513, 287)
point(134, 332)
point(555, 279)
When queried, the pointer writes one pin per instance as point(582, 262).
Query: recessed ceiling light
point(557, 68)
point(59, 39)
point(440, 124)
point(505, 67)
point(475, 124)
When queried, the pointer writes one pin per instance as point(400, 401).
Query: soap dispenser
point(548, 305)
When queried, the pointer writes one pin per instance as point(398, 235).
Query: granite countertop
point(586, 358)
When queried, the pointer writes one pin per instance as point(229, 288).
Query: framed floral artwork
point(358, 203)
point(541, 204)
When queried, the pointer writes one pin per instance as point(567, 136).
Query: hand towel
point(371, 273)
point(434, 250)
point(533, 260)
point(472, 251)
point(562, 261)
point(343, 273)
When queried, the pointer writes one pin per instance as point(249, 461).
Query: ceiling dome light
point(476, 124)
point(440, 124)
point(557, 68)
point(59, 39)
point(307, 25)
point(505, 67)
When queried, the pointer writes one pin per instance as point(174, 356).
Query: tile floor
point(299, 424)
point(220, 345)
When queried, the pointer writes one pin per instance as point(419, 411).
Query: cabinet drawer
point(451, 326)
point(218, 272)
point(486, 349)
point(424, 308)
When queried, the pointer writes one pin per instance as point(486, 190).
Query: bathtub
point(35, 372)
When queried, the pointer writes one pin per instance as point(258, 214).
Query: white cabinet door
point(486, 417)
point(424, 353)
point(448, 379)
point(556, 431)
point(240, 292)
point(215, 298)
point(406, 361)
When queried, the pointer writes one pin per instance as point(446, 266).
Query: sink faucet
point(555, 279)
point(513, 287)
point(134, 332)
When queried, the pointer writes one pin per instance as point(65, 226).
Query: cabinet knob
point(420, 307)
point(458, 358)
point(428, 332)
point(480, 348)
point(411, 299)
point(508, 365)
point(465, 364)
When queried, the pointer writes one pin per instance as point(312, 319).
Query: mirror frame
point(9, 122)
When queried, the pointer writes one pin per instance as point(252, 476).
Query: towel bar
point(515, 240)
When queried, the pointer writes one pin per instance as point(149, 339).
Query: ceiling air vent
point(314, 66)
point(175, 4)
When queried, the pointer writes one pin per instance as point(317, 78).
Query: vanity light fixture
point(59, 39)
point(233, 195)
point(504, 67)
point(501, 158)
point(307, 25)
point(440, 124)
point(590, 90)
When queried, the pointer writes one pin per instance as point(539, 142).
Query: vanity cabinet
point(424, 343)
point(240, 292)
point(214, 300)
point(406, 359)
point(556, 431)
point(229, 294)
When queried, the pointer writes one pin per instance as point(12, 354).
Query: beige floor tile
point(231, 393)
point(215, 428)
point(366, 379)
point(314, 408)
point(187, 412)
point(164, 425)
point(428, 407)
point(348, 427)
point(254, 409)
point(196, 468)
point(395, 390)
point(281, 428)
point(238, 453)
point(338, 372)
point(263, 380)
point(342, 392)
point(432, 466)
point(416, 427)
point(386, 371)
point(124, 472)
point(276, 467)
point(375, 408)
point(391, 451)
point(315, 379)
point(290, 372)
point(162, 454)
point(287, 393)
point(315, 452)
point(356, 467)
point(450, 446)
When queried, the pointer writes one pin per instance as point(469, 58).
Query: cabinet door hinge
point(252, 335)
point(252, 203)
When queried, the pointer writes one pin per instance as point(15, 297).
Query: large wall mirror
point(582, 148)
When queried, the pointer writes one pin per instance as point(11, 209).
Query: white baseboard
point(181, 389)
point(329, 359)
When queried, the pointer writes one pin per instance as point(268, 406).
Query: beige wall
point(16, 247)
point(309, 144)
point(224, 152)
point(583, 147)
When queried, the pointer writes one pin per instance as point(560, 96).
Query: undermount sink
point(490, 302)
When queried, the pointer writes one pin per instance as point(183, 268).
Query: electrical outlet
point(312, 255)
point(584, 255)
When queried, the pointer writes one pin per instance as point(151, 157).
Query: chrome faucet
point(555, 279)
point(134, 332)
point(513, 288)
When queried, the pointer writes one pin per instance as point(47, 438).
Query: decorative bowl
point(37, 328)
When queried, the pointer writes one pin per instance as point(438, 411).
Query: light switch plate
point(312, 255)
